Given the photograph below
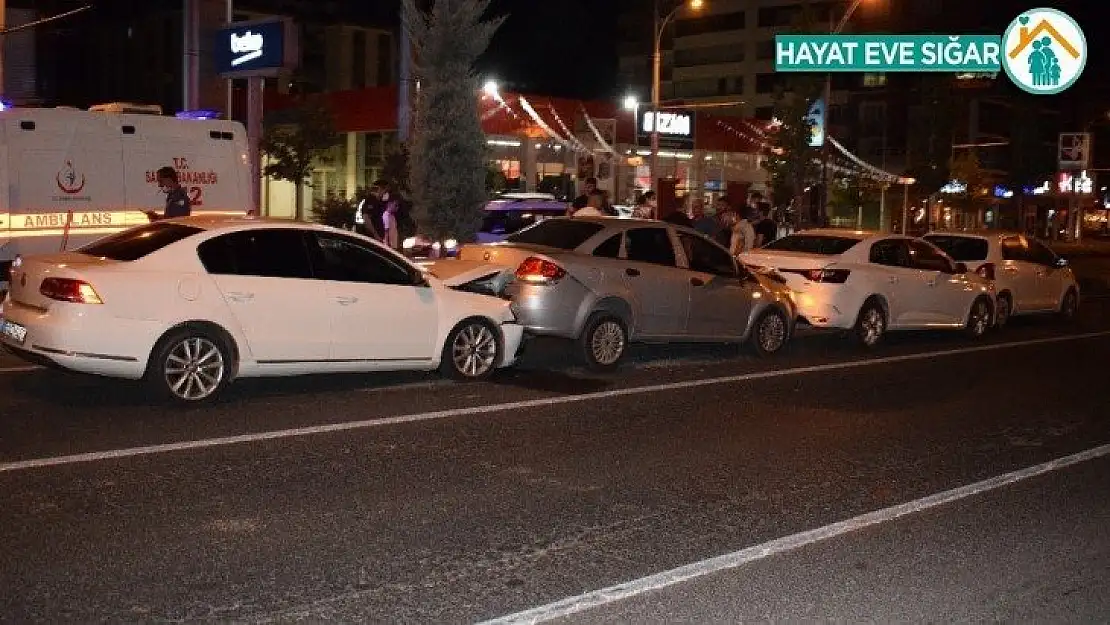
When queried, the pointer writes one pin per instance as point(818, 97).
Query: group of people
point(739, 229)
point(384, 215)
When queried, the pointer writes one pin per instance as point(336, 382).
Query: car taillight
point(67, 290)
point(986, 270)
point(827, 276)
point(539, 271)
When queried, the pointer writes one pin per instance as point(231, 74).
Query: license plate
point(13, 331)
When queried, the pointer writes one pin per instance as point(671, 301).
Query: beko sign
point(676, 128)
point(256, 48)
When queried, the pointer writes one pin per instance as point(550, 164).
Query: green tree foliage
point(448, 149)
point(848, 193)
point(791, 163)
point(931, 127)
point(294, 140)
point(965, 167)
point(334, 211)
point(395, 170)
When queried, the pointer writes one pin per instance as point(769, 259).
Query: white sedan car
point(871, 282)
point(188, 305)
point(1028, 276)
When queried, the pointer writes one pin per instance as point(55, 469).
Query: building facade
point(554, 150)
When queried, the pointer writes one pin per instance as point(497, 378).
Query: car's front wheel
point(770, 333)
point(190, 365)
point(472, 351)
point(603, 342)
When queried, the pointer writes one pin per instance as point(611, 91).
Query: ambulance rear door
point(203, 153)
point(66, 168)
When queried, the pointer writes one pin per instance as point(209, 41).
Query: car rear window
point(824, 245)
point(563, 234)
point(962, 249)
point(508, 222)
point(138, 242)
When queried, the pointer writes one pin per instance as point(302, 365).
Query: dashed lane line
point(523, 405)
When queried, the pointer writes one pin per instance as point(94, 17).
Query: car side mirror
point(1061, 263)
point(961, 268)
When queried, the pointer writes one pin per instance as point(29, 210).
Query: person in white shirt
point(742, 237)
point(594, 203)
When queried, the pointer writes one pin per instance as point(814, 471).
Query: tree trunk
point(298, 201)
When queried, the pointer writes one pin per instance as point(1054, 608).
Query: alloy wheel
point(872, 326)
point(607, 343)
point(772, 333)
point(194, 368)
point(980, 318)
point(474, 350)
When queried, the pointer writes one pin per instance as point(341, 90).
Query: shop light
point(508, 143)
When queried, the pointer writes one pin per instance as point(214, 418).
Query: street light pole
point(827, 96)
point(656, 70)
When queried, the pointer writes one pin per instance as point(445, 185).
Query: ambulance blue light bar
point(199, 114)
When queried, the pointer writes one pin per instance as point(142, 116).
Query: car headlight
point(409, 243)
point(450, 244)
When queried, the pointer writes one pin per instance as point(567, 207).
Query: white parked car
point(871, 282)
point(188, 305)
point(1028, 276)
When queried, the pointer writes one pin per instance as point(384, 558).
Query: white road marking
point(146, 450)
point(736, 559)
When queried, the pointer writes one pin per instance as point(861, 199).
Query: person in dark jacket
point(588, 188)
point(177, 200)
point(766, 229)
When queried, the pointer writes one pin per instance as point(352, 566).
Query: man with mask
point(177, 201)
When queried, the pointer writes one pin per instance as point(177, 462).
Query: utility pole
point(190, 69)
point(230, 17)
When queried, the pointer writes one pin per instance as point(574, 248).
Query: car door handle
point(346, 301)
point(631, 272)
point(697, 282)
point(236, 296)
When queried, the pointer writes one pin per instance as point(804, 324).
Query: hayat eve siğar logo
point(1045, 51)
point(69, 181)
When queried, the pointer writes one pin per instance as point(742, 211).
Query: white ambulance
point(68, 176)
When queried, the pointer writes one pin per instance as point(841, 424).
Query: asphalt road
point(408, 499)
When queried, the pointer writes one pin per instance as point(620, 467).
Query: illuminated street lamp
point(656, 63)
point(631, 103)
point(490, 88)
point(827, 95)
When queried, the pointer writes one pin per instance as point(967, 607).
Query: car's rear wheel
point(978, 318)
point(770, 333)
point(604, 342)
point(190, 365)
point(1005, 310)
point(472, 351)
point(1069, 306)
point(871, 324)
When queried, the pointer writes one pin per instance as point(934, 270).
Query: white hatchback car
point(188, 305)
point(1029, 277)
point(871, 282)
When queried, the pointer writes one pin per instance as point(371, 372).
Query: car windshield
point(823, 244)
point(962, 249)
point(510, 221)
point(138, 242)
point(564, 234)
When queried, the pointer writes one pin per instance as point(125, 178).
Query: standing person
point(647, 207)
point(739, 232)
point(369, 209)
point(680, 218)
point(703, 222)
point(588, 187)
point(594, 206)
point(177, 201)
point(390, 207)
point(751, 211)
point(766, 230)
